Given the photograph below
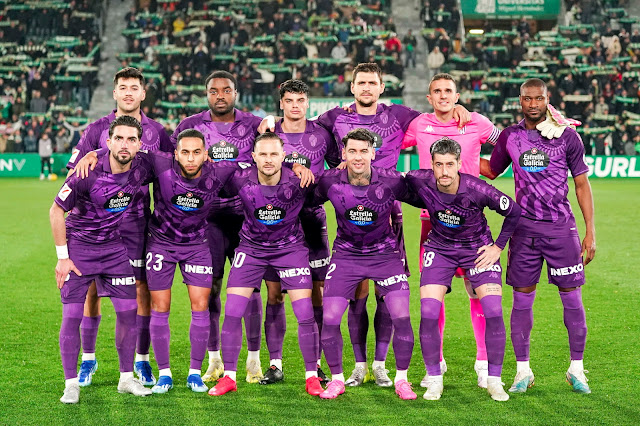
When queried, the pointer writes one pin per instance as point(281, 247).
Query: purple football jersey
point(389, 125)
point(540, 170)
point(362, 212)
point(310, 148)
point(224, 141)
point(154, 138)
point(271, 212)
point(181, 205)
point(457, 219)
point(98, 202)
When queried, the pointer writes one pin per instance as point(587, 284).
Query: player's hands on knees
point(588, 249)
point(461, 115)
point(268, 124)
point(86, 163)
point(489, 255)
point(305, 175)
point(63, 268)
point(342, 165)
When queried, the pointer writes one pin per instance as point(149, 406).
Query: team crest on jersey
point(118, 202)
point(534, 160)
point(269, 214)
point(223, 150)
point(449, 219)
point(361, 215)
point(296, 157)
point(187, 202)
point(463, 130)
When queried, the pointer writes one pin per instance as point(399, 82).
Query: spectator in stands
point(338, 52)
point(45, 150)
point(341, 87)
point(38, 104)
point(410, 44)
point(258, 111)
point(435, 60)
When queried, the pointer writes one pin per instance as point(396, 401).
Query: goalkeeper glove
point(554, 125)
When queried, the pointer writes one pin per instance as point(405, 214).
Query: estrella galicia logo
point(449, 218)
point(118, 202)
point(223, 150)
point(361, 215)
point(377, 140)
point(269, 214)
point(187, 202)
point(534, 160)
point(296, 157)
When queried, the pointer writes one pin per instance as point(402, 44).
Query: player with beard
point(309, 144)
point(128, 93)
point(547, 230)
point(90, 247)
point(271, 237)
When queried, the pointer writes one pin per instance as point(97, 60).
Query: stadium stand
point(50, 57)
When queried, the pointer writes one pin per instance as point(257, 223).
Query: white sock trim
point(88, 356)
point(338, 377)
point(576, 365)
point(522, 366)
point(71, 381)
point(277, 363)
point(308, 374)
point(194, 371)
point(231, 374)
point(253, 356)
point(214, 355)
point(361, 364)
point(400, 375)
point(165, 372)
point(126, 375)
point(142, 357)
point(377, 364)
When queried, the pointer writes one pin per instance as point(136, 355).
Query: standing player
point(547, 230)
point(423, 132)
point(128, 92)
point(309, 144)
point(365, 248)
point(89, 247)
point(271, 237)
point(460, 238)
point(229, 135)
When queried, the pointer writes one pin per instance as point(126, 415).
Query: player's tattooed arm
point(65, 265)
point(585, 200)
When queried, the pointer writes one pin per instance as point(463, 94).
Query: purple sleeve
point(332, 157)
point(68, 194)
point(405, 115)
point(166, 144)
point(318, 193)
point(500, 158)
point(504, 205)
point(173, 139)
point(575, 154)
point(413, 183)
point(327, 118)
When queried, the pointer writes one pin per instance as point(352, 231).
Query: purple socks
point(522, 323)
point(383, 327)
point(70, 338)
point(144, 337)
point(332, 343)
point(231, 335)
point(495, 334)
point(275, 326)
point(253, 322)
point(575, 321)
point(198, 335)
point(430, 340)
point(358, 321)
point(89, 333)
point(215, 307)
point(397, 303)
point(308, 338)
point(317, 314)
point(126, 331)
point(160, 337)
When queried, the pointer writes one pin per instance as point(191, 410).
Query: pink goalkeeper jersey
point(425, 129)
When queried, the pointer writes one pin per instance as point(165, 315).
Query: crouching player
point(365, 248)
point(89, 247)
point(460, 238)
point(271, 237)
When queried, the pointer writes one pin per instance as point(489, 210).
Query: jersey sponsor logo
point(567, 270)
point(319, 263)
point(123, 281)
point(449, 218)
point(429, 129)
point(198, 269)
point(269, 214)
point(64, 192)
point(377, 140)
point(187, 202)
point(361, 215)
point(294, 272)
point(392, 280)
point(223, 150)
point(118, 202)
point(534, 160)
point(136, 263)
point(476, 271)
point(296, 157)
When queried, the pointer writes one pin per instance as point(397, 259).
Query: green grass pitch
point(32, 379)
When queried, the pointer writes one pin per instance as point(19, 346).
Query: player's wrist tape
point(62, 252)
